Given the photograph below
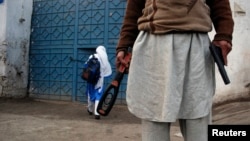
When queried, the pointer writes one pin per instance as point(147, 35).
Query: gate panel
point(91, 24)
point(52, 44)
point(64, 34)
point(99, 24)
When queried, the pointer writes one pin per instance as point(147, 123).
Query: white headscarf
point(106, 70)
point(103, 58)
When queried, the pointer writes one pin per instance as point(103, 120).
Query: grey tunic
point(171, 77)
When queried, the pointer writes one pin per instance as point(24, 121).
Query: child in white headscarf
point(94, 92)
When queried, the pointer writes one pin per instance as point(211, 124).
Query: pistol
point(218, 58)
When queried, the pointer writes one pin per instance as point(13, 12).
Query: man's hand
point(120, 60)
point(225, 48)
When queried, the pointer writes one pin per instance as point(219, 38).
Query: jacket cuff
point(225, 37)
point(118, 49)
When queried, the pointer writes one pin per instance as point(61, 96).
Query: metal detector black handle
point(108, 98)
point(110, 94)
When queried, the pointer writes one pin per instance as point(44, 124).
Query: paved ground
point(41, 120)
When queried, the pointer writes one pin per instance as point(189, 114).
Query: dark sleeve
point(129, 30)
point(221, 16)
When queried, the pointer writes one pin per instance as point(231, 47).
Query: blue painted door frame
point(64, 34)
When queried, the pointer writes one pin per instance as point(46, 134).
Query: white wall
point(14, 46)
point(2, 36)
point(238, 60)
point(2, 44)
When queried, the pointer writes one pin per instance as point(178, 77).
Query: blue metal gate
point(64, 33)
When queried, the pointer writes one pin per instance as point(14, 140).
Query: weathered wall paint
point(14, 47)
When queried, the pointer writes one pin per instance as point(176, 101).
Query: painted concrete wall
point(2, 37)
point(14, 46)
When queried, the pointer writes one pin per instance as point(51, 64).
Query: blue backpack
point(91, 70)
